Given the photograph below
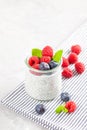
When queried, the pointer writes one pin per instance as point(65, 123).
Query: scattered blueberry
point(65, 97)
point(40, 109)
point(53, 64)
point(44, 66)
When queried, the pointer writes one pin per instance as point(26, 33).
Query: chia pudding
point(43, 85)
point(43, 74)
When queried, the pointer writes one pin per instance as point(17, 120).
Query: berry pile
point(68, 107)
point(44, 59)
point(72, 60)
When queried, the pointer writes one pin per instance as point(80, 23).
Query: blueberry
point(65, 97)
point(53, 64)
point(44, 66)
point(40, 109)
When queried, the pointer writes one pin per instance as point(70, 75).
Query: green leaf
point(59, 109)
point(65, 110)
point(36, 52)
point(58, 55)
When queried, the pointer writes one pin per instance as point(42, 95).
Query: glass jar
point(43, 85)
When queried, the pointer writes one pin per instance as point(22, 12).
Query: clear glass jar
point(43, 85)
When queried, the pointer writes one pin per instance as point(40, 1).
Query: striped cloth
point(19, 101)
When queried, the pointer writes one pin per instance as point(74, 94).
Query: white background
point(31, 23)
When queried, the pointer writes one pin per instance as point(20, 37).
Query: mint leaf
point(36, 52)
point(65, 110)
point(58, 55)
point(59, 109)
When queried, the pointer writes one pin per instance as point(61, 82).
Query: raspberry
point(47, 51)
point(65, 62)
point(46, 59)
point(67, 73)
point(71, 106)
point(72, 58)
point(80, 67)
point(76, 49)
point(33, 60)
point(36, 66)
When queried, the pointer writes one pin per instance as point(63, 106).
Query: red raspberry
point(76, 49)
point(80, 67)
point(33, 60)
point(67, 73)
point(71, 106)
point(72, 58)
point(36, 66)
point(46, 59)
point(65, 62)
point(47, 51)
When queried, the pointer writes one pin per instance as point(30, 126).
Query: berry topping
point(53, 64)
point(72, 58)
point(71, 106)
point(67, 73)
point(65, 97)
point(65, 62)
point(46, 59)
point(80, 67)
point(76, 49)
point(36, 66)
point(47, 51)
point(44, 66)
point(33, 60)
point(40, 109)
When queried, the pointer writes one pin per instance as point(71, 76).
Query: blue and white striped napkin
point(19, 101)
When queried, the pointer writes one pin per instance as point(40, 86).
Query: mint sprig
point(60, 109)
point(58, 55)
point(37, 52)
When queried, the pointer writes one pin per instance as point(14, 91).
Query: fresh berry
point(46, 59)
point(67, 73)
point(80, 67)
point(65, 97)
point(40, 109)
point(76, 49)
point(71, 106)
point(33, 60)
point(36, 66)
point(72, 58)
point(47, 51)
point(44, 66)
point(53, 64)
point(65, 62)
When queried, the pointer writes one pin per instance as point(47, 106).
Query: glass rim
point(43, 71)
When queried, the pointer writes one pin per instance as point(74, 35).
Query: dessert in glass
point(43, 74)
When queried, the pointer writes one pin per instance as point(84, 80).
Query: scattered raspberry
point(36, 66)
point(76, 49)
point(46, 59)
point(33, 60)
point(67, 73)
point(47, 51)
point(71, 106)
point(80, 67)
point(72, 58)
point(65, 62)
